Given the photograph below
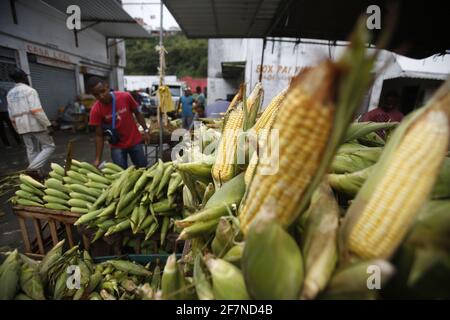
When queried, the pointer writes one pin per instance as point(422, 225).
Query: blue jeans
point(120, 156)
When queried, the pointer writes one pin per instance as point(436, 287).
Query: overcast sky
point(149, 12)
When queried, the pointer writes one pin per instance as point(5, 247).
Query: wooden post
point(23, 229)
point(69, 235)
point(53, 232)
point(37, 229)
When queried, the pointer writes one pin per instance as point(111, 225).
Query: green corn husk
point(164, 230)
point(85, 218)
point(163, 206)
point(28, 196)
point(353, 161)
point(372, 140)
point(319, 241)
point(56, 193)
point(30, 181)
point(441, 188)
point(165, 178)
point(108, 211)
point(31, 283)
point(130, 267)
point(198, 228)
point(352, 281)
point(134, 219)
point(209, 191)
point(224, 238)
point(174, 183)
point(57, 168)
point(9, 276)
point(52, 183)
point(173, 284)
point(114, 167)
point(28, 203)
point(203, 287)
point(359, 130)
point(151, 229)
point(22, 296)
point(234, 255)
point(121, 226)
point(432, 226)
point(156, 279)
point(32, 190)
point(349, 183)
point(269, 247)
point(49, 259)
point(105, 295)
point(56, 176)
point(227, 280)
point(428, 277)
point(197, 170)
point(61, 289)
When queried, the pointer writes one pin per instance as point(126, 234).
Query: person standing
point(187, 113)
point(200, 97)
point(4, 119)
point(127, 139)
point(386, 112)
point(31, 122)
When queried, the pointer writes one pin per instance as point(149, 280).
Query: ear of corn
point(173, 284)
point(263, 126)
point(349, 183)
point(359, 130)
point(352, 281)
point(203, 286)
point(319, 241)
point(387, 204)
point(223, 239)
point(271, 263)
point(310, 125)
point(30, 181)
point(348, 162)
point(441, 188)
point(227, 280)
point(9, 276)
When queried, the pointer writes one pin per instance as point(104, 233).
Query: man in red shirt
point(130, 139)
point(387, 112)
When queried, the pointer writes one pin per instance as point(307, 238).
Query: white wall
point(44, 25)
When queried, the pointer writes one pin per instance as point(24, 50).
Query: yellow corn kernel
point(267, 118)
point(254, 96)
point(304, 123)
point(223, 169)
point(403, 188)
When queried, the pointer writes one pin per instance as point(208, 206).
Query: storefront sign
point(54, 63)
point(48, 53)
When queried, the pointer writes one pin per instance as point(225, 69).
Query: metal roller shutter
point(7, 64)
point(56, 87)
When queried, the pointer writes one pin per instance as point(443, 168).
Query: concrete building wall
point(42, 27)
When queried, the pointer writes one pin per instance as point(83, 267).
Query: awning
point(105, 16)
point(420, 26)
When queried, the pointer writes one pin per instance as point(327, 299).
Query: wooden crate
point(49, 227)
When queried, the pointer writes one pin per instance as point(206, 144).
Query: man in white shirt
point(30, 121)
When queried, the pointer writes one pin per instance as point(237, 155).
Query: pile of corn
point(111, 200)
point(143, 201)
point(345, 204)
point(22, 278)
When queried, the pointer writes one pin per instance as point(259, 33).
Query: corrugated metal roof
point(224, 18)
point(113, 21)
